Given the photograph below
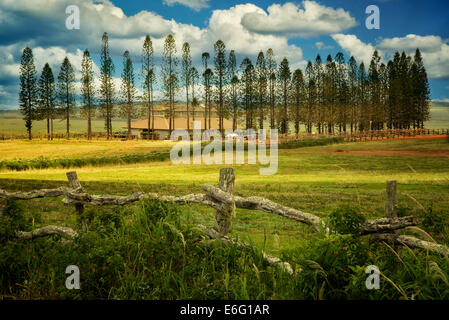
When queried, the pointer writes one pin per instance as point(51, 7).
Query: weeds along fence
point(223, 200)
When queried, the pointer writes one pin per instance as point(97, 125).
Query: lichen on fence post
point(76, 185)
point(391, 200)
point(225, 213)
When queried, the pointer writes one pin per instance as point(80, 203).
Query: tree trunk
point(48, 128)
point(89, 127)
point(52, 128)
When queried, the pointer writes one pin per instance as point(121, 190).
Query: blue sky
point(298, 30)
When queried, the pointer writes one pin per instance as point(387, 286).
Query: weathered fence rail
point(224, 202)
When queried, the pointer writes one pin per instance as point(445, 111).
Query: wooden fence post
point(224, 215)
point(391, 206)
point(391, 201)
point(76, 185)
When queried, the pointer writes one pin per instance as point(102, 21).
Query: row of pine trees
point(328, 96)
point(339, 95)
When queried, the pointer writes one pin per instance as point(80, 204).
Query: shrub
point(311, 142)
point(12, 220)
point(345, 220)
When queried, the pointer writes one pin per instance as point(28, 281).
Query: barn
point(162, 128)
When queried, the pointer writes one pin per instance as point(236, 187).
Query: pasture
point(313, 179)
point(151, 249)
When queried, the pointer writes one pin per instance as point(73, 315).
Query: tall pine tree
point(170, 78)
point(107, 87)
point(284, 83)
point(207, 79)
point(186, 68)
point(220, 80)
point(66, 92)
point(298, 93)
point(247, 91)
point(233, 88)
point(261, 87)
point(47, 109)
point(271, 74)
point(149, 79)
point(128, 91)
point(421, 92)
point(88, 91)
point(28, 95)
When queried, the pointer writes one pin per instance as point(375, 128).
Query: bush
point(148, 254)
point(12, 220)
point(311, 142)
point(345, 220)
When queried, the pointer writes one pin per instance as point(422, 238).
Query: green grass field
point(151, 251)
point(313, 179)
point(14, 126)
point(57, 149)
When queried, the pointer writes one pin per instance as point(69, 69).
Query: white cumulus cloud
point(196, 5)
point(357, 48)
point(435, 50)
point(290, 19)
point(51, 41)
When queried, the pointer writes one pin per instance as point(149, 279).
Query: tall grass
point(153, 251)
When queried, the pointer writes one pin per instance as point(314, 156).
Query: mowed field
point(57, 149)
point(11, 123)
point(314, 179)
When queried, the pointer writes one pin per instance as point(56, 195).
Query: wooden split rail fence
point(370, 135)
point(223, 200)
point(356, 136)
